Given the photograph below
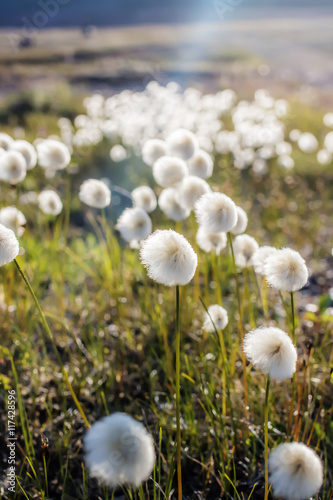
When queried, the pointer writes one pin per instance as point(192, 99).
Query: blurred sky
point(68, 13)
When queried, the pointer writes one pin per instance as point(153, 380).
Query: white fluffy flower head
point(13, 167)
point(259, 258)
point(217, 315)
point(119, 450)
point(27, 150)
point(271, 351)
point(53, 154)
point(169, 170)
point(95, 193)
point(14, 219)
point(286, 270)
point(169, 204)
point(241, 223)
point(201, 164)
point(49, 202)
point(190, 190)
point(216, 212)
point(211, 242)
point(134, 224)
point(296, 471)
point(169, 258)
point(182, 143)
point(244, 248)
point(153, 150)
point(9, 246)
point(144, 197)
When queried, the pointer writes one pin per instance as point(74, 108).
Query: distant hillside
point(66, 13)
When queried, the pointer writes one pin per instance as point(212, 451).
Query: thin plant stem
point(240, 326)
point(217, 278)
point(179, 470)
point(49, 333)
point(293, 317)
point(266, 436)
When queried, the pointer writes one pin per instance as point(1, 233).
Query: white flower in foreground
point(271, 350)
point(190, 190)
point(182, 143)
point(169, 258)
point(9, 246)
point(5, 140)
point(49, 202)
point(259, 258)
point(296, 471)
point(118, 153)
point(307, 142)
point(324, 157)
point(209, 242)
point(27, 150)
point(328, 142)
point(134, 224)
point(95, 193)
point(13, 219)
point(13, 167)
point(169, 204)
point(201, 164)
point(286, 270)
point(169, 170)
point(242, 221)
point(153, 150)
point(244, 248)
point(144, 197)
point(216, 212)
point(119, 450)
point(295, 134)
point(218, 315)
point(53, 154)
point(328, 120)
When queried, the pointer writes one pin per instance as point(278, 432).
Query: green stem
point(266, 436)
point(217, 278)
point(179, 470)
point(49, 333)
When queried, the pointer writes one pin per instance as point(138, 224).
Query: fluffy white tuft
point(244, 248)
point(169, 170)
point(27, 150)
point(190, 190)
point(134, 224)
point(211, 242)
point(13, 219)
point(95, 193)
point(271, 350)
point(5, 140)
point(217, 315)
point(259, 258)
point(242, 221)
point(169, 258)
point(153, 150)
point(144, 197)
point(49, 202)
point(53, 154)
point(201, 164)
point(182, 143)
point(169, 204)
point(286, 270)
point(9, 246)
point(13, 167)
point(296, 471)
point(119, 450)
point(216, 212)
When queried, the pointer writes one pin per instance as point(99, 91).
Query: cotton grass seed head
point(286, 270)
point(182, 143)
point(49, 202)
point(13, 167)
point(134, 224)
point(144, 197)
point(5, 141)
point(168, 202)
point(27, 150)
point(13, 219)
point(201, 164)
point(190, 190)
point(119, 450)
point(244, 248)
point(95, 194)
point(217, 315)
point(169, 170)
point(271, 351)
point(152, 150)
point(211, 242)
point(241, 223)
point(9, 246)
point(216, 212)
point(296, 471)
point(53, 154)
point(259, 258)
point(169, 258)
